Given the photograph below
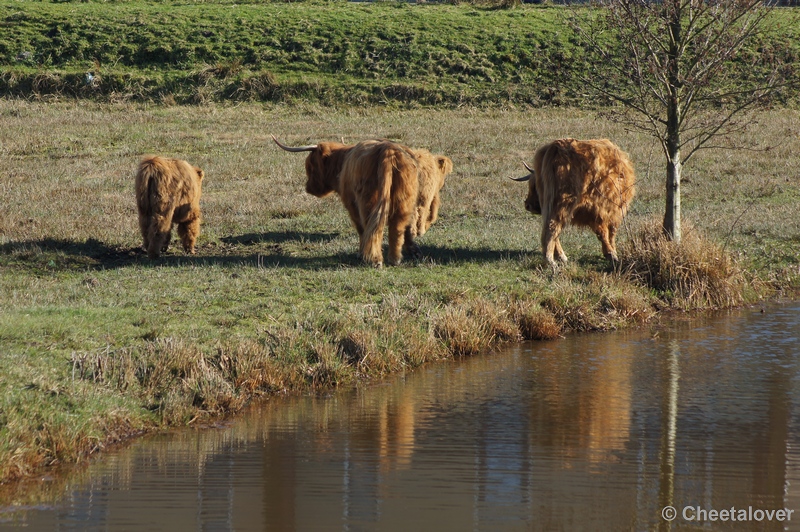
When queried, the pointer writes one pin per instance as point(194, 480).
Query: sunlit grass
point(325, 52)
point(100, 342)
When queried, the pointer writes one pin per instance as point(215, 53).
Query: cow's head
point(532, 204)
point(445, 165)
point(323, 165)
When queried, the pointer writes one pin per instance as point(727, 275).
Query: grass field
point(324, 52)
point(99, 343)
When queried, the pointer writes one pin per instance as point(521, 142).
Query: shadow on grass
point(260, 250)
point(597, 263)
point(275, 237)
point(54, 255)
point(459, 255)
point(51, 254)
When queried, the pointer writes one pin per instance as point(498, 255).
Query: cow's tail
point(145, 180)
point(372, 240)
point(154, 205)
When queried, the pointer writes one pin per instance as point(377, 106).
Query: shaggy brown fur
point(167, 193)
point(379, 183)
point(433, 169)
point(585, 183)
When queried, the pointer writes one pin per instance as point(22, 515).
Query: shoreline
point(23, 492)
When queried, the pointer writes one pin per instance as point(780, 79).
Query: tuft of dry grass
point(470, 329)
point(696, 273)
point(460, 332)
point(536, 323)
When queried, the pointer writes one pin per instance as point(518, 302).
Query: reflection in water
point(669, 431)
point(588, 432)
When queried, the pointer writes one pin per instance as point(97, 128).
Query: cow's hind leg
point(551, 230)
point(144, 228)
point(188, 231)
point(559, 251)
point(167, 240)
point(411, 247)
point(371, 243)
point(401, 235)
point(369, 217)
point(606, 236)
point(398, 232)
point(158, 234)
point(612, 241)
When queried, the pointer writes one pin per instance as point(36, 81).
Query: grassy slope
point(325, 52)
point(274, 51)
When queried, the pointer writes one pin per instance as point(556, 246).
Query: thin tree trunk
point(672, 214)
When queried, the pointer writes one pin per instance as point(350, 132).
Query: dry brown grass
point(536, 323)
point(696, 273)
point(470, 329)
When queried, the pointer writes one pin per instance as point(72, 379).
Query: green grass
point(98, 342)
point(329, 52)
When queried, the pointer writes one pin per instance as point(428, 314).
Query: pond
point(597, 431)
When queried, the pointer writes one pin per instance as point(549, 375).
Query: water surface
point(590, 432)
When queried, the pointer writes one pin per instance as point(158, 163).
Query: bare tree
point(681, 71)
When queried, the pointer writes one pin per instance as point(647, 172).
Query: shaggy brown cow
point(585, 183)
point(379, 182)
point(167, 193)
point(433, 169)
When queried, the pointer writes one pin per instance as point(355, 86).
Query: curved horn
point(299, 148)
point(528, 168)
point(527, 177)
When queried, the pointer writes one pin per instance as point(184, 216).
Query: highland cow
point(379, 183)
point(433, 169)
point(167, 193)
point(584, 183)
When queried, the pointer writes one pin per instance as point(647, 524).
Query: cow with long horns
point(379, 183)
point(581, 182)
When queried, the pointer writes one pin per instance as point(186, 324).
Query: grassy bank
point(99, 343)
point(328, 52)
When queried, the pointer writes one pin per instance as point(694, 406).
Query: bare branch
point(672, 62)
